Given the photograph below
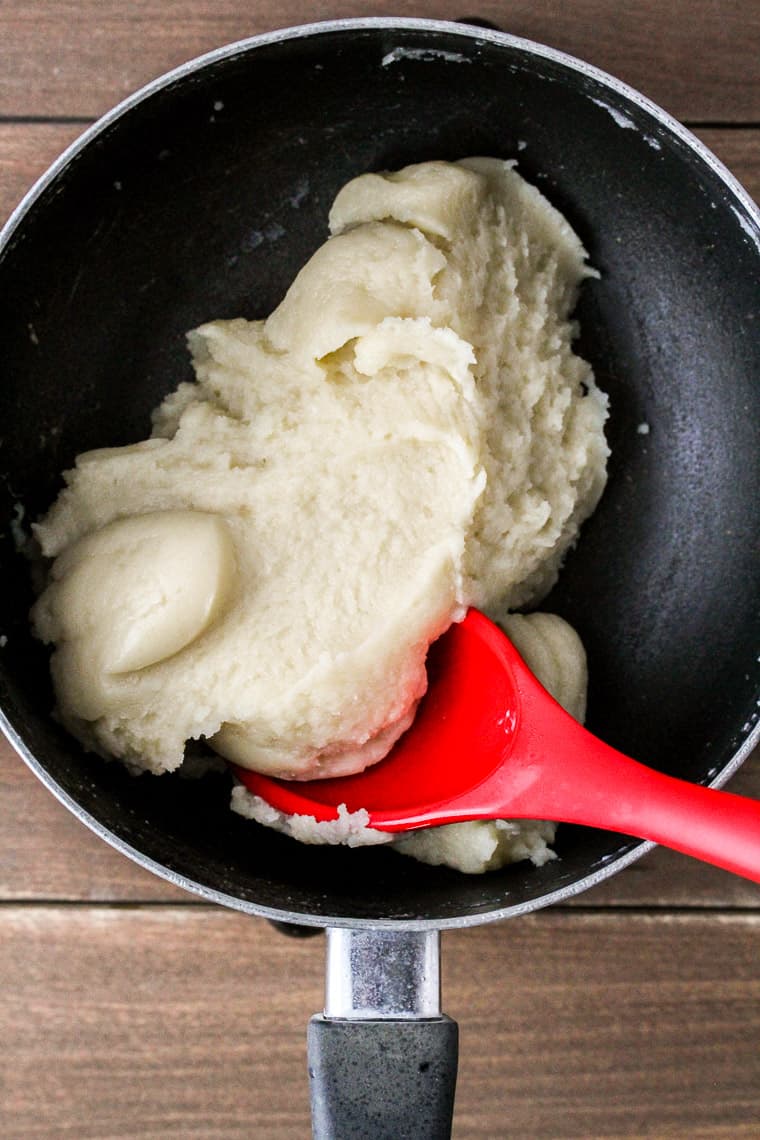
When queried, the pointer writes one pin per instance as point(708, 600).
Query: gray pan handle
point(382, 1057)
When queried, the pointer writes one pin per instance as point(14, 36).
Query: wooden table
point(128, 1009)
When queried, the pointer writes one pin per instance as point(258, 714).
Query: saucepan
point(200, 197)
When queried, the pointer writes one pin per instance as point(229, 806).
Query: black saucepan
point(201, 197)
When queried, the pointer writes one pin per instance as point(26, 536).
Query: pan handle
point(382, 1057)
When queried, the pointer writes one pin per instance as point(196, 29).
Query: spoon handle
point(717, 827)
point(567, 774)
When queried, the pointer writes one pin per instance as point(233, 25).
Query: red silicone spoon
point(488, 742)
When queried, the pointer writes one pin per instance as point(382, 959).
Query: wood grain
point(698, 58)
point(633, 1012)
point(190, 1022)
point(46, 853)
point(26, 151)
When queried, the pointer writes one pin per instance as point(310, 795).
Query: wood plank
point(190, 1022)
point(699, 59)
point(178, 1022)
point(607, 1026)
point(46, 854)
point(26, 151)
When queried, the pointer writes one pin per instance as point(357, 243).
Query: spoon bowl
point(489, 742)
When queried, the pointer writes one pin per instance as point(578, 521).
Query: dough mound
point(409, 433)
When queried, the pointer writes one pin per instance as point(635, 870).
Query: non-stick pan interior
point(203, 198)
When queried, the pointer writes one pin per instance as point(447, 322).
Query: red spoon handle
point(564, 773)
point(717, 827)
point(621, 795)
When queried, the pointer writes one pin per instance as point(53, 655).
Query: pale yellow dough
point(407, 434)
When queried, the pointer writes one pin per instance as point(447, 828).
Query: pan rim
point(748, 218)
